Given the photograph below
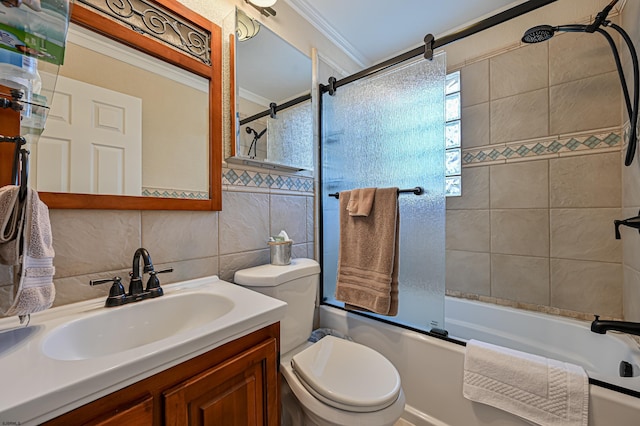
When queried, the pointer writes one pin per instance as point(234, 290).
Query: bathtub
point(431, 368)
point(550, 336)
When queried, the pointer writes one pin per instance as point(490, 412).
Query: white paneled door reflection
point(92, 142)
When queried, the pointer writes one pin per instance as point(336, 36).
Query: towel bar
point(418, 190)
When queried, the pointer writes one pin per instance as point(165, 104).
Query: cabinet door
point(241, 391)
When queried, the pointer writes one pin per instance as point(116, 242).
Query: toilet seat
point(347, 375)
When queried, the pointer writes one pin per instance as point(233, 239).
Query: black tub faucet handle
point(633, 222)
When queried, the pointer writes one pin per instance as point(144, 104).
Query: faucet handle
point(116, 292)
point(153, 284)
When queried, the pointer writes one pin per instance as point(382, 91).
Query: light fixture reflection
point(246, 27)
point(263, 3)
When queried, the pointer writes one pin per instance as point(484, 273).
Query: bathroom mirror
point(173, 89)
point(270, 70)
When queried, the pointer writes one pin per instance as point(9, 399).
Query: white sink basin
point(74, 354)
point(115, 330)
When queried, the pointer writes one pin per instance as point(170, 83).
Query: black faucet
point(632, 222)
point(135, 284)
point(117, 295)
point(601, 327)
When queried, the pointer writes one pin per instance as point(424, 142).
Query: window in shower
point(453, 152)
point(387, 130)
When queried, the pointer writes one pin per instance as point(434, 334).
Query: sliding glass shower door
point(383, 131)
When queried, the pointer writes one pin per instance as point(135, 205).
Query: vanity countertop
point(44, 377)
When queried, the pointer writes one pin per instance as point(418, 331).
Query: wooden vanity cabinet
point(235, 384)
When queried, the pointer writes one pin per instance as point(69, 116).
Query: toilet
point(333, 381)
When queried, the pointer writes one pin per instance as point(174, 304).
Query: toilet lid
point(347, 375)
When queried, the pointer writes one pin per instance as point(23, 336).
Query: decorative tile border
point(550, 147)
point(249, 178)
point(172, 193)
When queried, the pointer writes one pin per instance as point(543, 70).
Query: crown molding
point(256, 99)
point(308, 12)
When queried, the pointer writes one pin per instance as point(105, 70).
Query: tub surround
point(43, 387)
point(541, 179)
point(631, 193)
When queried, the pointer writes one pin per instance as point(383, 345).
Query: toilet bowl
point(333, 381)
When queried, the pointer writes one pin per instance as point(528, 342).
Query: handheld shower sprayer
point(254, 145)
point(542, 33)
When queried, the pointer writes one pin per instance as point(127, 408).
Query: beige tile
point(630, 241)
point(631, 295)
point(475, 125)
point(520, 117)
point(299, 251)
point(521, 278)
point(467, 230)
point(86, 241)
point(571, 57)
point(474, 83)
point(583, 286)
point(243, 222)
point(475, 190)
point(520, 185)
point(585, 181)
point(188, 269)
point(229, 264)
point(520, 231)
point(311, 251)
point(468, 272)
point(585, 234)
point(171, 236)
point(630, 181)
point(76, 289)
point(590, 103)
point(519, 71)
point(289, 213)
point(310, 219)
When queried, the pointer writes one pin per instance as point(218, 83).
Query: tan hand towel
point(35, 290)
point(368, 255)
point(360, 201)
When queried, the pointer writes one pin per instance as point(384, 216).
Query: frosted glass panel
point(290, 137)
point(385, 131)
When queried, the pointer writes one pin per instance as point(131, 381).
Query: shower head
point(542, 33)
point(538, 34)
point(545, 32)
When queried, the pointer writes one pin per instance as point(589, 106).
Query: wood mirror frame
point(85, 17)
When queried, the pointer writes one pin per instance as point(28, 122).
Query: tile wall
point(92, 244)
point(541, 137)
point(631, 188)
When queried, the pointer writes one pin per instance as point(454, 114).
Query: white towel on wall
point(541, 390)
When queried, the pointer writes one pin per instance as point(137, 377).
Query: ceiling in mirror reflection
point(271, 70)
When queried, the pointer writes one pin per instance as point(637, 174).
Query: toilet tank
point(296, 284)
